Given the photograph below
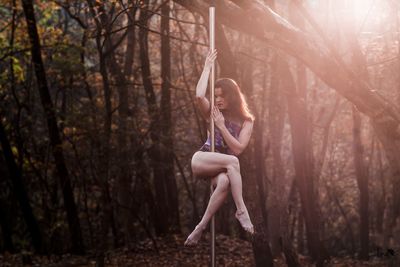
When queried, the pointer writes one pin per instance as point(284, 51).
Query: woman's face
point(220, 101)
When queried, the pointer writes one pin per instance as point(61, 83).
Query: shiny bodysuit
point(220, 145)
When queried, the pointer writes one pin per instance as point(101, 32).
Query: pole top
point(212, 3)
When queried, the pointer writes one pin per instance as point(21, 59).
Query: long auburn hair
point(236, 100)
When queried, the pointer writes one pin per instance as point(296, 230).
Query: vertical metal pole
point(212, 79)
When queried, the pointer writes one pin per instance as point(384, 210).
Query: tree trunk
point(360, 65)
point(166, 139)
point(362, 182)
point(125, 172)
point(279, 219)
point(260, 177)
point(105, 52)
point(302, 156)
point(256, 206)
point(20, 192)
point(121, 77)
point(226, 58)
point(162, 226)
point(253, 182)
point(276, 122)
point(124, 179)
point(55, 140)
point(299, 118)
point(6, 230)
point(300, 233)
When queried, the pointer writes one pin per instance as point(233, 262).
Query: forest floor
point(171, 252)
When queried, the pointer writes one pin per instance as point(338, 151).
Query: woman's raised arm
point(201, 88)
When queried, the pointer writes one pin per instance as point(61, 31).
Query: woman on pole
point(233, 128)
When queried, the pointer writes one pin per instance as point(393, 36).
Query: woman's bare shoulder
point(247, 123)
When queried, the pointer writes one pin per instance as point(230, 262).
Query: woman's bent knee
point(195, 164)
point(211, 163)
point(233, 164)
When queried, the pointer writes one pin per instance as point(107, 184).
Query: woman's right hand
point(201, 87)
point(211, 56)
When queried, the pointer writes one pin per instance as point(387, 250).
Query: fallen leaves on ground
point(170, 252)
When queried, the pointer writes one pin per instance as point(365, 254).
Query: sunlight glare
point(367, 14)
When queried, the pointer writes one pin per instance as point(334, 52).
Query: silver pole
point(212, 79)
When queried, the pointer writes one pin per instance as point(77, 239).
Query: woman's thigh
point(211, 163)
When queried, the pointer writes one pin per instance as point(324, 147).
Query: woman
point(234, 124)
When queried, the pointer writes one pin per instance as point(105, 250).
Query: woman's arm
point(238, 145)
point(235, 145)
point(201, 88)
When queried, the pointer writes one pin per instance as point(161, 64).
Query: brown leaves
point(231, 252)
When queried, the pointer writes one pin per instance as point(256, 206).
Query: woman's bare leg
point(210, 164)
point(216, 200)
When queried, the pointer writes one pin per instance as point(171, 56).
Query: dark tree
point(54, 136)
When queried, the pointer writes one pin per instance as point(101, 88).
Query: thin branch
point(75, 17)
point(383, 61)
point(152, 31)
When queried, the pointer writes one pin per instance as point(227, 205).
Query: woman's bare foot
point(244, 219)
point(195, 236)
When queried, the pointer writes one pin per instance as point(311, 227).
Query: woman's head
point(229, 97)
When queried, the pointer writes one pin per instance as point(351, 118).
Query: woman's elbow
point(200, 98)
point(237, 154)
point(237, 151)
point(200, 93)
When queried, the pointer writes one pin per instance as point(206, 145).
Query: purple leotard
point(220, 145)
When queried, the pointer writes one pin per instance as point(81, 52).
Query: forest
point(99, 122)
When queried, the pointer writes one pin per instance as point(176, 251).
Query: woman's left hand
point(218, 118)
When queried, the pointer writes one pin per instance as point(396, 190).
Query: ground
point(171, 253)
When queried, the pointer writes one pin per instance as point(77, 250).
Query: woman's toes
point(194, 237)
point(245, 222)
